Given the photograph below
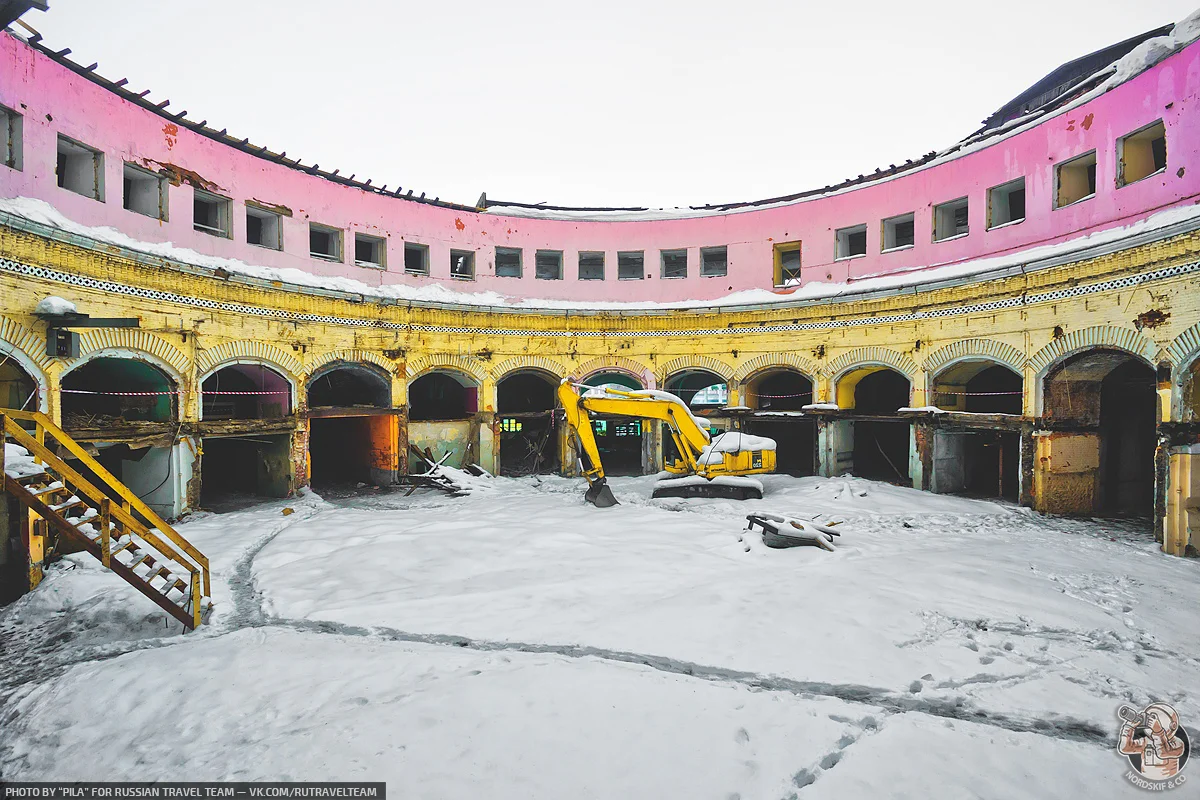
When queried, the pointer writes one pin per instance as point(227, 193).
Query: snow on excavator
point(708, 467)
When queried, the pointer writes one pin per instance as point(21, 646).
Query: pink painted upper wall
point(54, 100)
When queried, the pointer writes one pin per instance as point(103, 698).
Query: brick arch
point(990, 349)
point(29, 344)
point(776, 360)
point(539, 363)
point(864, 356)
point(248, 349)
point(313, 363)
point(417, 367)
point(618, 363)
point(1185, 348)
point(1099, 336)
point(136, 340)
point(683, 363)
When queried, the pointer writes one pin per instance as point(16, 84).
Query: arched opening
point(983, 462)
point(619, 439)
point(778, 397)
point(245, 391)
point(442, 396)
point(123, 409)
point(699, 388)
point(1102, 406)
point(978, 386)
point(109, 391)
point(353, 431)
point(874, 443)
point(1190, 396)
point(443, 412)
point(525, 402)
point(18, 389)
point(242, 464)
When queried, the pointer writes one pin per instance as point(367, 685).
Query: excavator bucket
point(599, 495)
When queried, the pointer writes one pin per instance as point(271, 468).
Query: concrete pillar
point(489, 442)
point(1182, 518)
point(1029, 398)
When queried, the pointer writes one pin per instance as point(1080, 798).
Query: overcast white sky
point(656, 102)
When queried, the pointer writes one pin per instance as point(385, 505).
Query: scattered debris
point(780, 532)
point(455, 482)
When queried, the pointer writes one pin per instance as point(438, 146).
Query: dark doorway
point(17, 389)
point(339, 450)
point(795, 442)
point(881, 447)
point(528, 434)
point(1128, 408)
point(881, 392)
point(977, 463)
point(240, 471)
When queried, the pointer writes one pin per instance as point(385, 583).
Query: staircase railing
point(126, 514)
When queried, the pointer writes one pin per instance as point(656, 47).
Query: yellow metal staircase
point(105, 518)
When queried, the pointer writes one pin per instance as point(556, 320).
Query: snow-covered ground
point(518, 643)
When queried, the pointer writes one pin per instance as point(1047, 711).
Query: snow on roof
point(42, 213)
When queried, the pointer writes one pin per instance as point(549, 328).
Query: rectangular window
point(462, 265)
point(1075, 180)
point(80, 168)
point(1006, 203)
point(631, 266)
point(787, 264)
point(950, 220)
point(508, 262)
point(370, 251)
point(10, 137)
point(591, 266)
point(264, 228)
point(674, 263)
point(898, 232)
point(324, 242)
point(548, 265)
point(714, 262)
point(145, 192)
point(416, 258)
point(1142, 153)
point(210, 213)
point(851, 242)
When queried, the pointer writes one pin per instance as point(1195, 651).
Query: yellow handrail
point(46, 426)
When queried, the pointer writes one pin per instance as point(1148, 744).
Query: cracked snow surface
point(520, 643)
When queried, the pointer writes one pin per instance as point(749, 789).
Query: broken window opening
point(245, 391)
point(110, 391)
point(264, 228)
point(324, 242)
point(210, 213)
point(787, 264)
point(778, 390)
point(346, 385)
point(631, 266)
point(508, 262)
point(548, 265)
point(714, 262)
point(1142, 153)
point(1075, 180)
point(950, 220)
point(145, 192)
point(18, 389)
point(674, 263)
point(899, 232)
point(851, 242)
point(370, 251)
point(416, 258)
point(698, 388)
point(80, 168)
point(591, 266)
point(462, 265)
point(1006, 203)
point(442, 396)
point(11, 133)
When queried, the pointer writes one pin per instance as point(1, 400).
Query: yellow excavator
point(707, 466)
